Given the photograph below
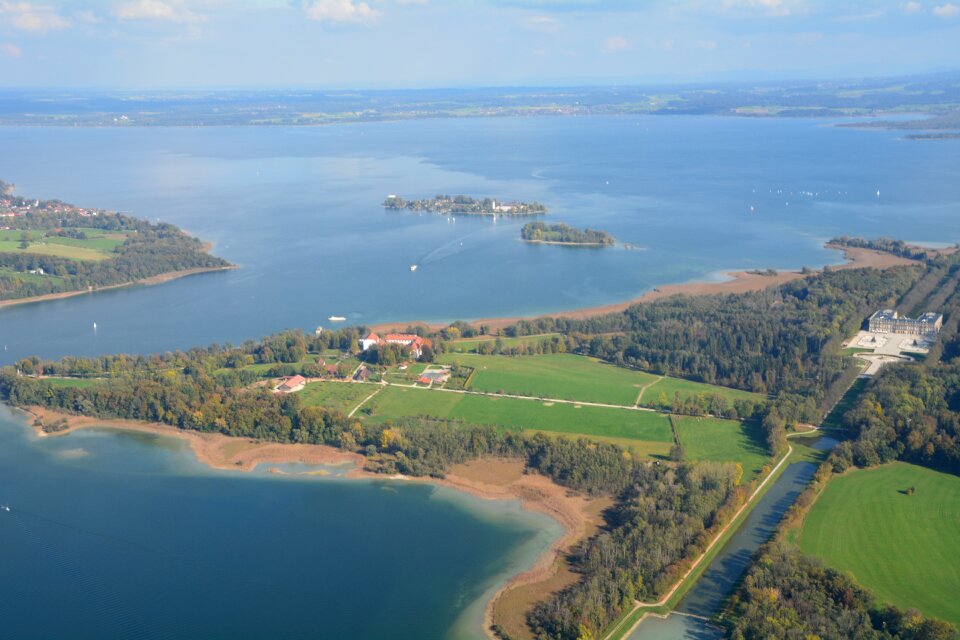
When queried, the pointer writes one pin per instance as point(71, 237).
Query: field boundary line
point(487, 394)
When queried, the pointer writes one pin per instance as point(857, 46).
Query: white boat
point(413, 267)
point(336, 318)
point(5, 508)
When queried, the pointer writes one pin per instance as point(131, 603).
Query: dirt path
point(380, 388)
point(578, 403)
point(643, 390)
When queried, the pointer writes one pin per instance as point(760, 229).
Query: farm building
point(292, 384)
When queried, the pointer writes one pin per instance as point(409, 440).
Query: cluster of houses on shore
point(15, 207)
point(411, 341)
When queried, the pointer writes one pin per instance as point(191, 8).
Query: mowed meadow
point(97, 245)
point(644, 432)
point(579, 378)
point(895, 529)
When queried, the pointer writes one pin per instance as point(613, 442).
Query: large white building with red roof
point(412, 341)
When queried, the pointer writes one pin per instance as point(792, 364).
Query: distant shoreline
point(160, 278)
point(740, 282)
point(567, 244)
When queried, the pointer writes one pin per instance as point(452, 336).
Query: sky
point(365, 44)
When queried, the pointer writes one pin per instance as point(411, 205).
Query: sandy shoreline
point(739, 282)
point(152, 280)
point(488, 479)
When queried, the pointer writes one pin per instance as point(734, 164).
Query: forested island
point(783, 345)
point(559, 233)
point(49, 247)
point(465, 205)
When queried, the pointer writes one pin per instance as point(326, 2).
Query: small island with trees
point(563, 234)
point(49, 248)
point(465, 205)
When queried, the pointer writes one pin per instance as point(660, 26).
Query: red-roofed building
point(412, 341)
point(292, 384)
point(371, 340)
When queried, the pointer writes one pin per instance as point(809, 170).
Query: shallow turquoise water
point(123, 535)
point(299, 210)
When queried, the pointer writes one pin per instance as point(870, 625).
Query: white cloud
point(38, 18)
point(172, 11)
point(544, 24)
point(947, 10)
point(772, 7)
point(614, 44)
point(10, 50)
point(912, 7)
point(339, 11)
point(707, 44)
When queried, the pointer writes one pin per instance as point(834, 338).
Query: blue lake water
point(299, 210)
point(124, 535)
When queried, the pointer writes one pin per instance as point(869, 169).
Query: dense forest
point(791, 596)
point(149, 249)
point(564, 234)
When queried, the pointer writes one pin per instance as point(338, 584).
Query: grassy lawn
point(335, 396)
point(723, 441)
point(98, 245)
point(901, 547)
point(52, 249)
point(560, 375)
point(80, 383)
point(513, 413)
point(470, 345)
point(687, 388)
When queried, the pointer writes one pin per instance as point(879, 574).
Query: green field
point(687, 388)
point(470, 345)
point(560, 375)
point(98, 245)
point(516, 414)
point(571, 377)
point(901, 547)
point(80, 383)
point(723, 441)
point(335, 396)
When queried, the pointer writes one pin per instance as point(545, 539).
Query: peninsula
point(465, 205)
point(49, 248)
point(615, 409)
point(563, 234)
